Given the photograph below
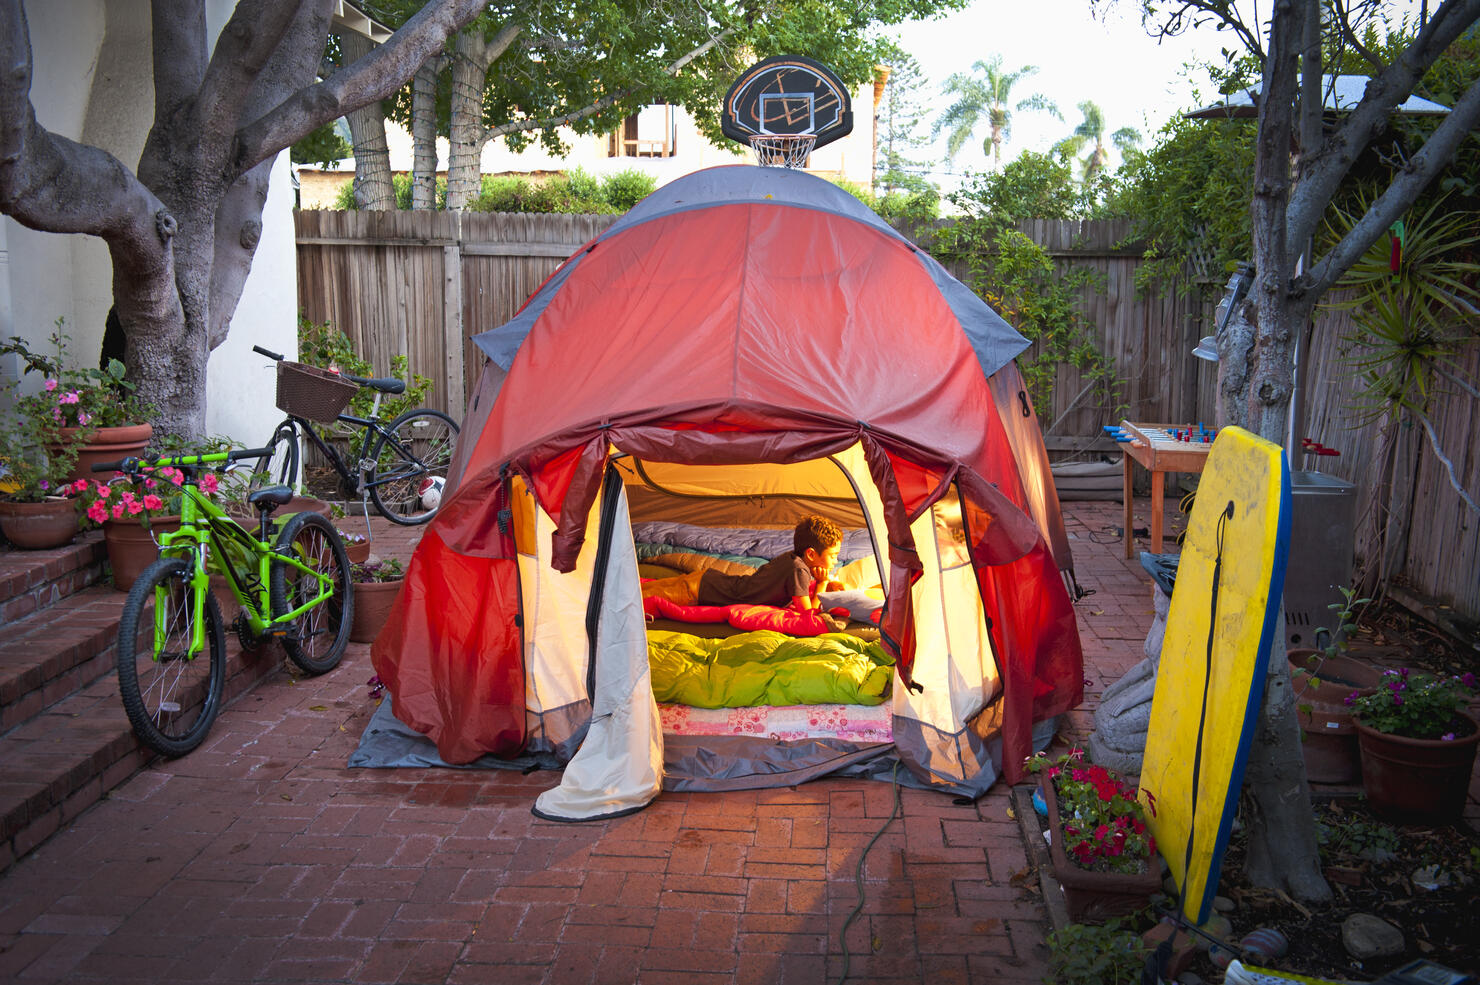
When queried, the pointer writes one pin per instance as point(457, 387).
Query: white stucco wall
point(92, 82)
point(65, 39)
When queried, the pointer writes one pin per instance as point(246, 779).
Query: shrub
point(624, 189)
point(321, 344)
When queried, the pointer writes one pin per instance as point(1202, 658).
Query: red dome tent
point(743, 336)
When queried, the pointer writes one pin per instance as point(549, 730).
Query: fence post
point(452, 321)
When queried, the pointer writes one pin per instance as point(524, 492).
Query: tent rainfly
point(745, 346)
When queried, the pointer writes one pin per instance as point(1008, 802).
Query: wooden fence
point(424, 283)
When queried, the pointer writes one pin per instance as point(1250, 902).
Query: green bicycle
point(293, 587)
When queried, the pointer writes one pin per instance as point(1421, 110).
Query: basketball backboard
point(787, 94)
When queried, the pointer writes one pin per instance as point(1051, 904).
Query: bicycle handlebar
point(133, 466)
point(385, 384)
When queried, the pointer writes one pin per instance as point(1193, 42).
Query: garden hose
point(858, 876)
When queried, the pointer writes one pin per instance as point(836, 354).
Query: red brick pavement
point(262, 858)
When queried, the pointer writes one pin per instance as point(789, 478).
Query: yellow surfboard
point(1210, 682)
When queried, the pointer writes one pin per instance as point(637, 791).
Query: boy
point(792, 579)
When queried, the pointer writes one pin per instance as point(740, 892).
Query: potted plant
point(356, 546)
point(1322, 679)
point(94, 410)
point(1103, 855)
point(1417, 744)
point(132, 518)
point(376, 585)
point(37, 510)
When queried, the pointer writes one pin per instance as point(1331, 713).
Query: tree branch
point(1448, 465)
point(1186, 16)
point(1422, 168)
point(56, 185)
point(371, 78)
point(1324, 175)
point(179, 49)
point(246, 43)
point(238, 230)
point(591, 109)
point(1348, 34)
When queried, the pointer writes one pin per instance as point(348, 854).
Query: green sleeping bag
point(767, 668)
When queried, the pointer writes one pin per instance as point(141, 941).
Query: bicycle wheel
point(279, 467)
point(316, 639)
point(411, 463)
point(171, 695)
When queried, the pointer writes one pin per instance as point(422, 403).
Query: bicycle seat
point(271, 497)
point(385, 384)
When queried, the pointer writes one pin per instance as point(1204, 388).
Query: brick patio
point(261, 858)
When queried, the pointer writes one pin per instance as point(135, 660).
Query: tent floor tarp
point(695, 763)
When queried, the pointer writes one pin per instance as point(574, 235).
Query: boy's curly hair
point(817, 532)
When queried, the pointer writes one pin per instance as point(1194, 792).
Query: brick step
point(56, 651)
point(62, 761)
point(32, 580)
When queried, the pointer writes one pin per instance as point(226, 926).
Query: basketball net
point(782, 150)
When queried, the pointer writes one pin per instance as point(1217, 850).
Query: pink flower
point(70, 397)
point(50, 385)
point(153, 502)
point(209, 483)
point(118, 511)
point(135, 507)
point(97, 512)
point(80, 486)
point(83, 417)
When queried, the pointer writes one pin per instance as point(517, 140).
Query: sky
point(1107, 58)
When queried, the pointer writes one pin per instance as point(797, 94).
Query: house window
point(650, 132)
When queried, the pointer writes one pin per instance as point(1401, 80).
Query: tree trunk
point(424, 135)
point(373, 188)
point(466, 133)
point(1282, 851)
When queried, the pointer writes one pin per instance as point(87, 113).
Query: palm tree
point(1091, 133)
point(985, 91)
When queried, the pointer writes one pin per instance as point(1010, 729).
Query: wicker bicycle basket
point(312, 393)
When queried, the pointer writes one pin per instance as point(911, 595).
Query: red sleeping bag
point(792, 622)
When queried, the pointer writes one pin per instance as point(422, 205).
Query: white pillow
point(859, 603)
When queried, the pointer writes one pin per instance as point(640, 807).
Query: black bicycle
point(402, 466)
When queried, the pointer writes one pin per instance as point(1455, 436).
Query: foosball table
point(1158, 448)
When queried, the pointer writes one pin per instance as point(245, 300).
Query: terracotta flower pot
point(1094, 896)
point(373, 601)
point(1328, 733)
point(357, 550)
point(131, 548)
point(304, 504)
point(1417, 781)
point(39, 526)
point(108, 445)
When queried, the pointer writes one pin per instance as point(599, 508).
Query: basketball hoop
point(782, 150)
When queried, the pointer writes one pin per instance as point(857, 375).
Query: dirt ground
point(1422, 879)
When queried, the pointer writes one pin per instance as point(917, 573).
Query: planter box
point(1093, 897)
